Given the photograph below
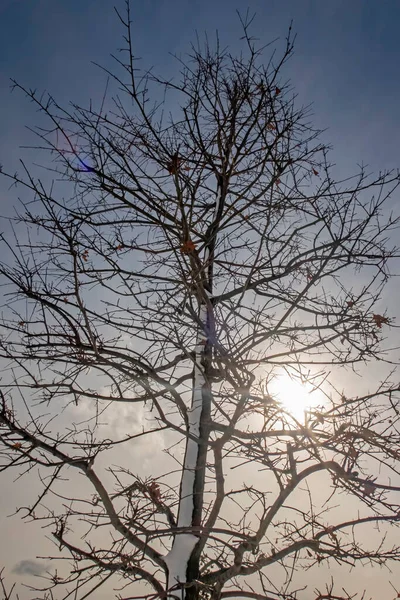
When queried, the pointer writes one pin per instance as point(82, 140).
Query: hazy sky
point(346, 63)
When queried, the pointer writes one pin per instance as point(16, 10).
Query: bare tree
point(193, 249)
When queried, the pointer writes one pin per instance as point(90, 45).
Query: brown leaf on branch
point(353, 453)
point(331, 533)
point(188, 247)
point(379, 320)
point(174, 164)
point(154, 491)
point(368, 489)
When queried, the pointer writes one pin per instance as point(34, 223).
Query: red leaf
point(380, 320)
point(188, 247)
point(315, 172)
point(277, 91)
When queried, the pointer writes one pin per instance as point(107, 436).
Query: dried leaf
point(188, 247)
point(329, 529)
point(331, 533)
point(353, 453)
point(17, 445)
point(174, 164)
point(277, 91)
point(368, 489)
point(315, 172)
point(380, 320)
point(154, 490)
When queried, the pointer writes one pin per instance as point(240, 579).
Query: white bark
point(178, 557)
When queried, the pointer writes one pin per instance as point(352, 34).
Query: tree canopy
point(192, 258)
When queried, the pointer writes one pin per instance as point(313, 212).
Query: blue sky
point(346, 61)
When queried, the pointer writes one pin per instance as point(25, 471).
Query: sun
point(295, 397)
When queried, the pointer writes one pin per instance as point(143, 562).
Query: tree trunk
point(183, 560)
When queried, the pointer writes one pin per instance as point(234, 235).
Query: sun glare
point(295, 397)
